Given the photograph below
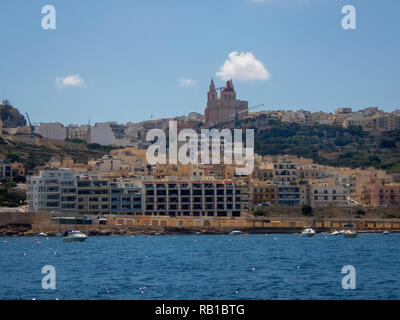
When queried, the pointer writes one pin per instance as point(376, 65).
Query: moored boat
point(350, 233)
point(74, 236)
point(308, 232)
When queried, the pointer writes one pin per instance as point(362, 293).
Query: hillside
point(38, 151)
point(331, 145)
point(10, 116)
point(325, 144)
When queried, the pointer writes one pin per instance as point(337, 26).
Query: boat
point(42, 234)
point(336, 233)
point(350, 233)
point(236, 233)
point(74, 236)
point(385, 232)
point(308, 232)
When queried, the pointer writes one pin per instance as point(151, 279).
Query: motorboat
point(385, 232)
point(42, 234)
point(236, 233)
point(336, 233)
point(308, 232)
point(350, 233)
point(74, 236)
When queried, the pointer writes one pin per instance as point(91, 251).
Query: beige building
point(328, 195)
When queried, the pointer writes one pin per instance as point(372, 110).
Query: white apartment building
point(52, 190)
point(54, 130)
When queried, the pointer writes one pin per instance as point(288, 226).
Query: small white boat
point(308, 232)
point(350, 234)
point(42, 234)
point(336, 233)
point(74, 236)
point(236, 233)
point(385, 232)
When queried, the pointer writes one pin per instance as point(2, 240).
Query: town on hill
point(306, 164)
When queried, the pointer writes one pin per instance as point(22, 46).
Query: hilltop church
point(223, 108)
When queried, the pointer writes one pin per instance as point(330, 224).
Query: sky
point(131, 60)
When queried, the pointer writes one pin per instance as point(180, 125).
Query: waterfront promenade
point(30, 224)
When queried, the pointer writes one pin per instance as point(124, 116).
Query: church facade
point(224, 107)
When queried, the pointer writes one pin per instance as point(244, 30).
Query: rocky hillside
point(36, 152)
point(10, 116)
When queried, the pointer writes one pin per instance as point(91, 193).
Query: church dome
point(228, 87)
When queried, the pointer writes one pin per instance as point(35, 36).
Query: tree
point(306, 210)
point(13, 157)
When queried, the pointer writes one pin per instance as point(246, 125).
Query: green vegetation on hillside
point(37, 154)
point(331, 145)
point(9, 195)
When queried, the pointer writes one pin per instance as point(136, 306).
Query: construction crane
point(237, 113)
point(31, 126)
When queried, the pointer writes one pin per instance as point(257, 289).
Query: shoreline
point(185, 232)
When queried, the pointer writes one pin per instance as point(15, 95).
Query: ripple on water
point(206, 267)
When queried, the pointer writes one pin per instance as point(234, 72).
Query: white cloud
point(186, 82)
point(70, 81)
point(243, 66)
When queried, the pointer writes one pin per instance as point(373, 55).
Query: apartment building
point(52, 190)
point(126, 198)
point(285, 172)
point(381, 195)
point(194, 198)
point(327, 195)
point(68, 192)
point(53, 130)
point(262, 192)
point(288, 195)
point(78, 132)
point(93, 195)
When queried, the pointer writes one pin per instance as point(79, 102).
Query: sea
point(273, 266)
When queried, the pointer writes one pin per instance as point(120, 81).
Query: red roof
point(228, 88)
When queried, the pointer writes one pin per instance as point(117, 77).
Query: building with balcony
point(383, 195)
point(285, 172)
point(93, 195)
point(126, 198)
point(327, 195)
point(194, 198)
point(288, 195)
point(52, 190)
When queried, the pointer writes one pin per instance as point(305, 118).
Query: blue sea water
point(202, 267)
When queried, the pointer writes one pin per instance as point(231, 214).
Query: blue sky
point(137, 58)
